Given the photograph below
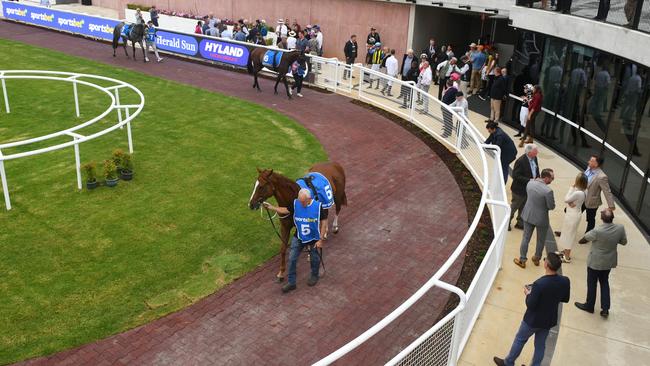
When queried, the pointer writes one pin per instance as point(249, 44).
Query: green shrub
point(110, 171)
point(127, 162)
point(118, 156)
point(136, 7)
point(90, 170)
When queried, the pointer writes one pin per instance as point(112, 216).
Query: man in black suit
point(430, 51)
point(447, 118)
point(525, 169)
point(542, 300)
point(504, 142)
point(350, 51)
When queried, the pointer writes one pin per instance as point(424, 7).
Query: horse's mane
point(282, 181)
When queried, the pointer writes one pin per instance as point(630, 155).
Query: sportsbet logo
point(17, 12)
point(42, 17)
point(100, 28)
point(71, 22)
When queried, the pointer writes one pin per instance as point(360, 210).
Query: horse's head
point(263, 188)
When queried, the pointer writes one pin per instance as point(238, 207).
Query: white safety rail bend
point(443, 343)
point(125, 114)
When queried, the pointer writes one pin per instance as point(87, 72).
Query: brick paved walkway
point(405, 215)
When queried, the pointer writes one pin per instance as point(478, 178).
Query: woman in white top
point(573, 212)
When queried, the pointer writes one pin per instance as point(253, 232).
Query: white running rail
point(443, 343)
point(125, 114)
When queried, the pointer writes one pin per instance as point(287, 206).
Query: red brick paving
point(396, 232)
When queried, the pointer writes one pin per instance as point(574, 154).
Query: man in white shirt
point(319, 39)
point(283, 30)
point(424, 82)
point(392, 68)
point(291, 40)
point(445, 69)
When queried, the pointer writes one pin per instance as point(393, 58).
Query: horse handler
point(310, 219)
point(150, 41)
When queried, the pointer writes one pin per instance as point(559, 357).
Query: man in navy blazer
point(542, 300)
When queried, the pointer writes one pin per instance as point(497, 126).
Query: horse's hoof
point(335, 230)
point(279, 279)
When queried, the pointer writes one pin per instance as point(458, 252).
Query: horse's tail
point(117, 31)
point(340, 183)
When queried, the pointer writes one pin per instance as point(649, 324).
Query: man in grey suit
point(602, 258)
point(535, 215)
point(597, 182)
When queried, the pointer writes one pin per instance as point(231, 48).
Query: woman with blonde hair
point(573, 212)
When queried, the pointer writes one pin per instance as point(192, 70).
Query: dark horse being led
point(325, 180)
point(129, 32)
point(276, 60)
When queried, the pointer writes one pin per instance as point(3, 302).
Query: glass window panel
point(641, 154)
point(614, 167)
point(584, 152)
point(644, 215)
point(633, 187)
point(600, 92)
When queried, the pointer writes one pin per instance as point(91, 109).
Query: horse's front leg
point(133, 45)
point(124, 44)
point(277, 81)
point(144, 52)
point(284, 234)
point(286, 86)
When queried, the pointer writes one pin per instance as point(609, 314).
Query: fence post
point(77, 163)
point(459, 134)
point(128, 132)
point(117, 105)
point(76, 97)
point(4, 92)
point(361, 72)
point(414, 90)
point(336, 76)
point(456, 338)
point(5, 188)
point(637, 14)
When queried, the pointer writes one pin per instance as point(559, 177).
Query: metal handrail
point(435, 281)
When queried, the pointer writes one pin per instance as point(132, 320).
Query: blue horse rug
point(272, 59)
point(126, 29)
point(320, 188)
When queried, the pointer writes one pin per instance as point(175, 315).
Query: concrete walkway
point(584, 339)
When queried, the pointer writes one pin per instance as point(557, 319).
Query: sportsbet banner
point(206, 48)
point(60, 20)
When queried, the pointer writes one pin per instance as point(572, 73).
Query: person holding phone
point(542, 299)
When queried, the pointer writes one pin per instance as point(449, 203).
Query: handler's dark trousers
point(602, 277)
point(517, 205)
point(296, 248)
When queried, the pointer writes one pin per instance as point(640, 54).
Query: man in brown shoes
point(535, 215)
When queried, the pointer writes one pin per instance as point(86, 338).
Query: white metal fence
point(125, 114)
point(443, 343)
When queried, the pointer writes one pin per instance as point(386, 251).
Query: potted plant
point(110, 173)
point(90, 169)
point(118, 154)
point(126, 169)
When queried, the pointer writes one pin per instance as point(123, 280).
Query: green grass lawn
point(77, 266)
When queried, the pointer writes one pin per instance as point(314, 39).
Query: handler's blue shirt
point(323, 189)
point(151, 35)
point(307, 220)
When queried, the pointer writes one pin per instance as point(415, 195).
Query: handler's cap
point(292, 34)
point(280, 21)
point(472, 44)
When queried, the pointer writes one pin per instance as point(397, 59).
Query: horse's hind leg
point(277, 81)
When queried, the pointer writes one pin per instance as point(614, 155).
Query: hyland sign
point(230, 53)
point(60, 20)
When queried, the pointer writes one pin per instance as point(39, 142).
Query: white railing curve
point(443, 343)
point(125, 114)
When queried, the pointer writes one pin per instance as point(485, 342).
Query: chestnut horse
point(285, 190)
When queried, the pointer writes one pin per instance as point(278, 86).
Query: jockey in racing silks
point(310, 219)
